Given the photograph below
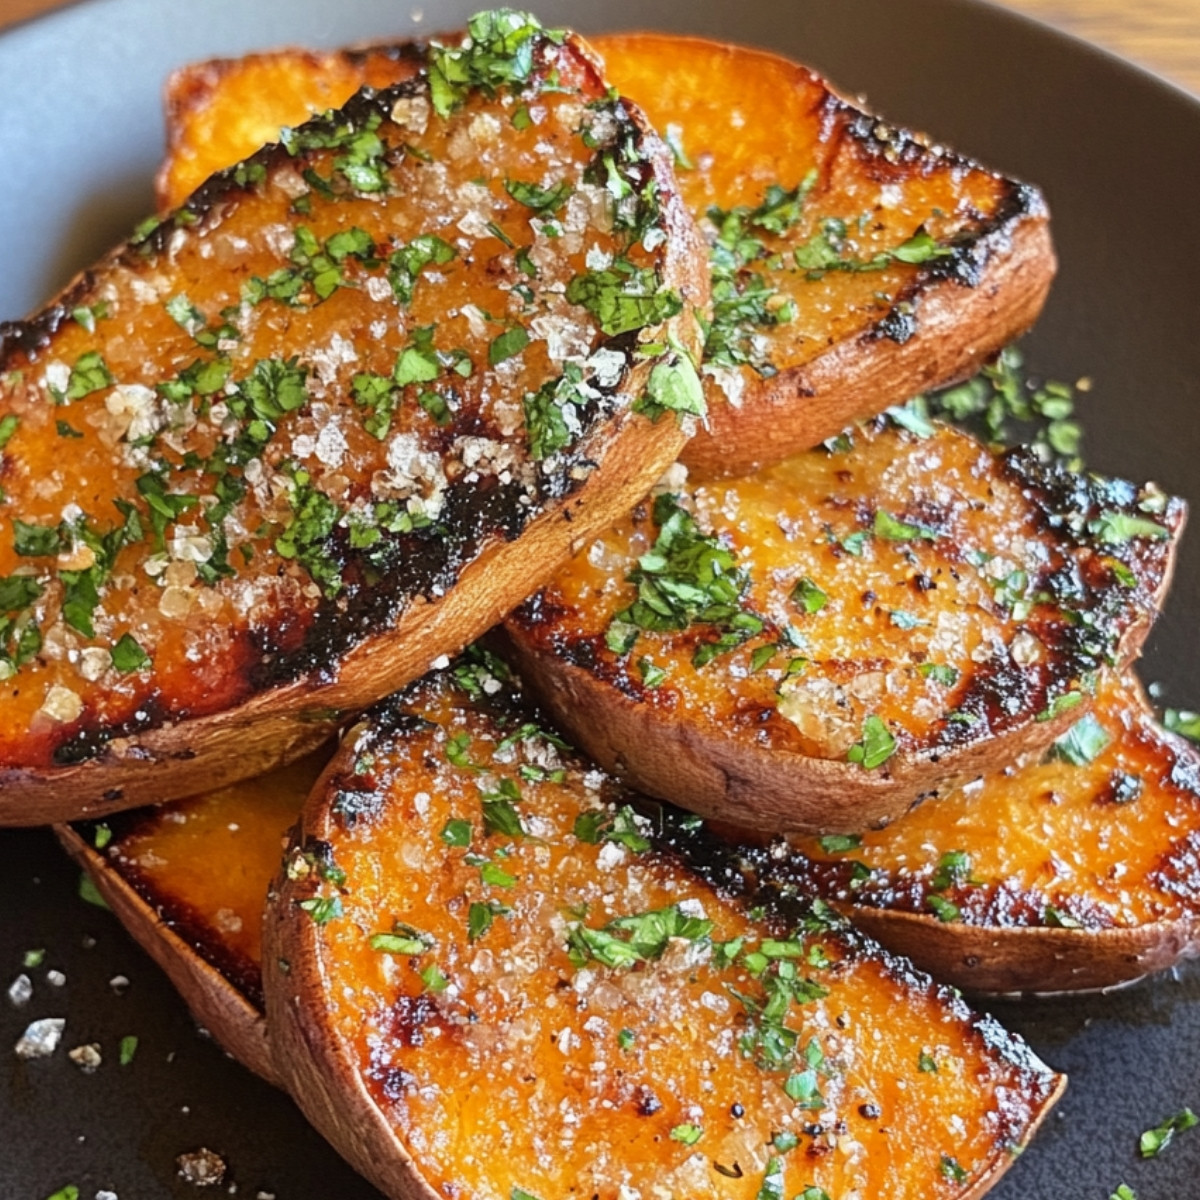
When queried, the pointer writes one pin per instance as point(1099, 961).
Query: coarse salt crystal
point(41, 1038)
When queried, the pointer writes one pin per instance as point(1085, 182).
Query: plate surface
point(1117, 154)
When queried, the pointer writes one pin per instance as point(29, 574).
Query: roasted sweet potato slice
point(1076, 871)
point(486, 975)
point(813, 647)
point(332, 419)
point(188, 881)
point(854, 263)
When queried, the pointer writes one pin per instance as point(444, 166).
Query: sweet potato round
point(456, 1059)
point(867, 571)
point(334, 626)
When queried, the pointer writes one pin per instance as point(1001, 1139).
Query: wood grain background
point(1163, 35)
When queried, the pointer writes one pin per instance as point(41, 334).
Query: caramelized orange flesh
point(1061, 843)
point(460, 958)
point(925, 583)
point(222, 111)
point(251, 440)
point(204, 863)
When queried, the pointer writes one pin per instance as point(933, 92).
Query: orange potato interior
point(204, 863)
point(1110, 843)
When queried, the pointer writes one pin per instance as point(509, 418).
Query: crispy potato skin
point(758, 748)
point(1107, 847)
point(847, 355)
point(277, 687)
point(358, 1036)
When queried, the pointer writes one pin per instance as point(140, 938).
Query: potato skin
point(233, 1019)
point(1131, 892)
point(750, 790)
point(994, 960)
point(285, 719)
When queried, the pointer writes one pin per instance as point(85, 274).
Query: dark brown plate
point(1115, 150)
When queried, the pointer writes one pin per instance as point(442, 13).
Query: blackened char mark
point(971, 250)
point(85, 741)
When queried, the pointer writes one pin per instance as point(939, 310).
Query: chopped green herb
point(1176, 720)
point(89, 892)
point(1060, 705)
point(641, 937)
point(1154, 1141)
point(651, 675)
point(840, 843)
point(626, 1039)
point(495, 876)
point(808, 596)
point(1056, 919)
point(952, 1170)
point(480, 918)
point(497, 52)
point(685, 579)
point(508, 344)
point(88, 375)
point(323, 909)
point(785, 1140)
point(128, 655)
point(433, 978)
point(893, 530)
point(456, 832)
point(1083, 743)
point(539, 199)
point(69, 1192)
point(33, 958)
point(673, 386)
point(877, 745)
point(926, 1063)
point(1123, 1192)
point(1117, 528)
point(940, 673)
point(403, 940)
point(772, 1184)
point(8, 426)
point(688, 1134)
point(406, 264)
point(66, 429)
point(127, 1049)
point(802, 1088)
point(943, 909)
point(953, 869)
point(624, 297)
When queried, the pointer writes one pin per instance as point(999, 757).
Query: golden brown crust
point(236, 1022)
point(283, 688)
point(376, 1057)
point(764, 733)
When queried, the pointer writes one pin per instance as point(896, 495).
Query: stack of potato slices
point(360, 394)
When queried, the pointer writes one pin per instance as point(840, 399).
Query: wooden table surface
point(1163, 35)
